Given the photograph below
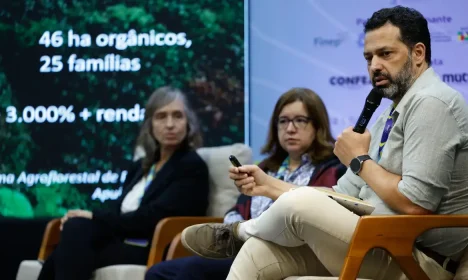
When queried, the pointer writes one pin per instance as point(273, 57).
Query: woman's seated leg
point(205, 269)
point(75, 255)
point(190, 268)
point(166, 270)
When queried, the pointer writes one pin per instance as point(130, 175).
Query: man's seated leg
point(308, 216)
point(277, 224)
point(260, 259)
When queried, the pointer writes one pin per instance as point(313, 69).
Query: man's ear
point(419, 53)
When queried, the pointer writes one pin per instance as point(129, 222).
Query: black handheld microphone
point(372, 102)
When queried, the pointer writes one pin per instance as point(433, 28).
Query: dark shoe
point(212, 241)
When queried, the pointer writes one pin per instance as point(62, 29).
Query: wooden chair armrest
point(395, 234)
point(176, 249)
point(167, 229)
point(50, 239)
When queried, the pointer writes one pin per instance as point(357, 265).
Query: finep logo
point(328, 42)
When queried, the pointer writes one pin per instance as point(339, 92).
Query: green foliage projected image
point(74, 79)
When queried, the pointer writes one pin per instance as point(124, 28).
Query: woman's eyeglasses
point(298, 122)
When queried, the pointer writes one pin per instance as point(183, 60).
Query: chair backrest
point(223, 194)
point(462, 270)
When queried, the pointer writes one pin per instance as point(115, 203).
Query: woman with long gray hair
point(170, 180)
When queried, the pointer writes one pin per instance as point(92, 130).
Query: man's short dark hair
point(412, 24)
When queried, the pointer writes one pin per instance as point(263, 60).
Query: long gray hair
point(158, 99)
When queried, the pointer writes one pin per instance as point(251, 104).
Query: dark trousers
point(190, 268)
point(85, 246)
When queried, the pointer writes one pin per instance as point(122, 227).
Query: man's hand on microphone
point(350, 144)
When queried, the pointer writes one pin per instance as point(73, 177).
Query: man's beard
point(397, 87)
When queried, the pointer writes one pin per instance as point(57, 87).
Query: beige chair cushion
point(30, 269)
point(316, 278)
point(120, 272)
point(223, 194)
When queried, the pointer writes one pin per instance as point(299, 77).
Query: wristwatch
point(356, 163)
